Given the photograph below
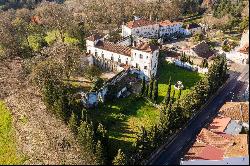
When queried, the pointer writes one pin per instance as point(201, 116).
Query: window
point(136, 65)
point(95, 53)
point(141, 56)
point(89, 52)
point(145, 67)
point(147, 57)
point(102, 55)
point(126, 62)
point(112, 58)
point(119, 60)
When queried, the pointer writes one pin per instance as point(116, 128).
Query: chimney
point(150, 17)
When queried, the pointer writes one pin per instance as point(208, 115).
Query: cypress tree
point(155, 91)
point(179, 95)
point(86, 137)
point(167, 97)
point(120, 158)
point(101, 134)
point(146, 91)
point(143, 86)
point(73, 123)
point(99, 153)
point(150, 89)
point(171, 102)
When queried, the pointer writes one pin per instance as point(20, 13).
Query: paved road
point(172, 153)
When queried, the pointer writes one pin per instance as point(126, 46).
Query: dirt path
point(39, 134)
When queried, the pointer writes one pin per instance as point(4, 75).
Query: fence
point(187, 65)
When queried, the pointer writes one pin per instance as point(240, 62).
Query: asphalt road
point(172, 154)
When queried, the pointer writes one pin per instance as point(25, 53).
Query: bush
point(226, 48)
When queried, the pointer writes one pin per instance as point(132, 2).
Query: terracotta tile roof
point(139, 23)
point(239, 147)
point(232, 110)
point(202, 151)
point(211, 153)
point(244, 49)
point(109, 46)
point(94, 37)
point(167, 23)
point(214, 139)
point(143, 46)
point(219, 124)
point(194, 151)
point(202, 50)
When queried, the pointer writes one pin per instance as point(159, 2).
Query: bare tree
point(55, 17)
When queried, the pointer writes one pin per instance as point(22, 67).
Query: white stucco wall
point(126, 31)
point(146, 62)
point(170, 29)
point(143, 31)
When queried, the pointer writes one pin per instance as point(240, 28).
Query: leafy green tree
point(98, 84)
point(120, 158)
point(154, 42)
point(245, 23)
point(91, 72)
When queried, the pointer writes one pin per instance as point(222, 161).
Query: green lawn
point(8, 152)
point(188, 78)
point(124, 118)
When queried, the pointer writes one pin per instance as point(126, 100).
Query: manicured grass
point(167, 70)
point(8, 152)
point(124, 118)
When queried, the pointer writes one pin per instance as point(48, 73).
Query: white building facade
point(151, 29)
point(141, 56)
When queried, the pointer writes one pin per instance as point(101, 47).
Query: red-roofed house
point(219, 124)
point(151, 29)
point(141, 56)
point(211, 153)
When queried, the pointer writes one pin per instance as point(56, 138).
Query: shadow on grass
point(116, 116)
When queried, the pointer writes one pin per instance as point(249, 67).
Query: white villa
point(140, 55)
point(151, 29)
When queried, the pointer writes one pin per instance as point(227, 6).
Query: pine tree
point(143, 86)
point(86, 137)
point(120, 158)
point(155, 91)
point(99, 153)
point(167, 97)
point(73, 123)
point(150, 89)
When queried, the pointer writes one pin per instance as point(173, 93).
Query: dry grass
point(39, 133)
